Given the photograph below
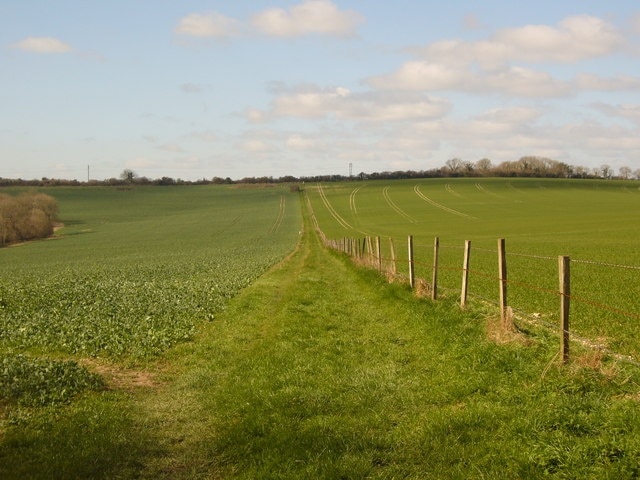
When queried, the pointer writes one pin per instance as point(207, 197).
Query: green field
point(133, 271)
point(595, 222)
point(159, 335)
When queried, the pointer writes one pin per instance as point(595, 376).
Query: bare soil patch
point(118, 378)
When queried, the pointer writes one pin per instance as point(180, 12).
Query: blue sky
point(197, 89)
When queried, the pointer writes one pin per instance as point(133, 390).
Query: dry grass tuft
point(503, 331)
point(422, 289)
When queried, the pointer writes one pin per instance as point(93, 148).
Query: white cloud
point(170, 147)
point(208, 25)
point(310, 17)
point(300, 142)
point(489, 65)
point(524, 82)
point(420, 75)
point(378, 107)
point(509, 115)
point(587, 81)
point(519, 81)
point(627, 111)
point(311, 102)
point(42, 45)
point(254, 115)
point(575, 38)
point(306, 104)
point(255, 145)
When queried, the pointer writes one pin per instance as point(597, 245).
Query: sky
point(197, 89)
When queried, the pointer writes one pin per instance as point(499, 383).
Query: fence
point(369, 251)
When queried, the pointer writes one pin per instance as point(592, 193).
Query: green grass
point(596, 223)
point(323, 370)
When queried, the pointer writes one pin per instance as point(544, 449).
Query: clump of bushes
point(26, 217)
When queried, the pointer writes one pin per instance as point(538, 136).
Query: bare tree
point(454, 165)
point(484, 165)
point(625, 172)
point(128, 175)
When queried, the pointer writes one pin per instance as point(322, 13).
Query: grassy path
point(320, 370)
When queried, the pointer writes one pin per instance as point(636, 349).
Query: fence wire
point(396, 267)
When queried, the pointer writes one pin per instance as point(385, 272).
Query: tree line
point(27, 216)
point(527, 166)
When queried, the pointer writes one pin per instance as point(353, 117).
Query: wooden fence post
point(465, 273)
point(394, 265)
point(434, 277)
point(412, 274)
point(378, 254)
point(371, 253)
point(565, 292)
point(502, 275)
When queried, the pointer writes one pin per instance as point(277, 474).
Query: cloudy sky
point(194, 89)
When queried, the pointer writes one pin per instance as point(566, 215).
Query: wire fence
point(602, 307)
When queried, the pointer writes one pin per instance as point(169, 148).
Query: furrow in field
point(278, 222)
point(439, 205)
point(484, 190)
point(391, 203)
point(450, 189)
point(352, 201)
point(343, 223)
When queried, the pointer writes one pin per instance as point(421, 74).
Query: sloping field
point(134, 271)
point(595, 222)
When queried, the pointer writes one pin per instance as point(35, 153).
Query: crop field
point(595, 222)
point(134, 271)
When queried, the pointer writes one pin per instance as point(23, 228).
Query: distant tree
point(468, 168)
point(166, 181)
point(483, 165)
point(606, 171)
point(581, 172)
point(636, 173)
point(625, 172)
point(128, 175)
point(454, 165)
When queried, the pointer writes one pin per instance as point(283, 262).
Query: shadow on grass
point(91, 439)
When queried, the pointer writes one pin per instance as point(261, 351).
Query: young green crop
point(135, 271)
point(595, 222)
